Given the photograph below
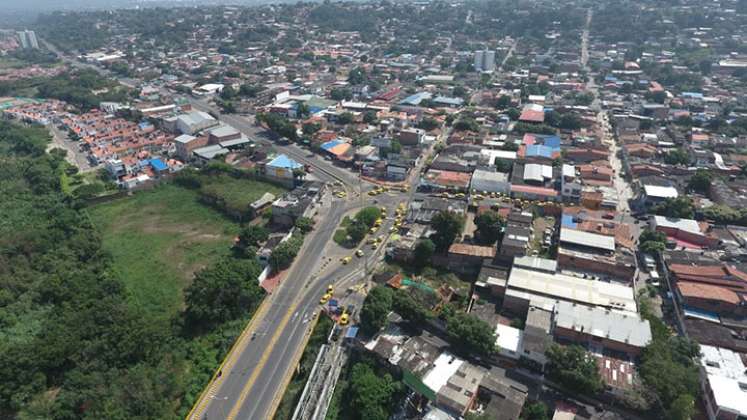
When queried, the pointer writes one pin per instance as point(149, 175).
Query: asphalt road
point(253, 377)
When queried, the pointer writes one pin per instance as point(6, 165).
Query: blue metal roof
point(416, 98)
point(351, 332)
point(539, 150)
point(331, 144)
point(158, 165)
point(551, 141)
point(284, 161)
point(566, 220)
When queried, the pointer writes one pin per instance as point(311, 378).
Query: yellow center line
point(260, 366)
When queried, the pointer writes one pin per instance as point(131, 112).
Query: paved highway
point(253, 376)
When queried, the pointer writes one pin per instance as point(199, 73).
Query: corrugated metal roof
point(621, 327)
point(588, 239)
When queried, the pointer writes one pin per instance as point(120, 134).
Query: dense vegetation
point(669, 371)
point(366, 391)
point(575, 369)
point(227, 189)
point(72, 344)
point(75, 87)
point(354, 230)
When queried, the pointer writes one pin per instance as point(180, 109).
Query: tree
point(652, 242)
point(503, 102)
point(701, 181)
point(356, 231)
point(227, 93)
point(310, 128)
point(683, 408)
point(448, 226)
point(423, 252)
point(680, 207)
point(376, 308)
point(357, 76)
point(368, 216)
point(345, 118)
point(369, 117)
point(341, 94)
point(410, 309)
point(667, 367)
point(304, 224)
point(223, 292)
point(372, 395)
point(489, 225)
point(428, 124)
point(535, 411)
point(252, 236)
point(569, 121)
point(677, 156)
point(466, 124)
point(249, 90)
point(470, 334)
point(573, 368)
point(303, 110)
point(283, 254)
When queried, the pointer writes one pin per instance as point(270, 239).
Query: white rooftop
point(444, 367)
point(616, 326)
point(508, 338)
point(491, 155)
point(573, 289)
point(537, 172)
point(587, 239)
point(660, 191)
point(727, 379)
point(687, 225)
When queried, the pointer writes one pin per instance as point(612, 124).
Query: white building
point(28, 39)
point(485, 61)
point(725, 390)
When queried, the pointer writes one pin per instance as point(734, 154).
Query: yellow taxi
point(344, 318)
point(325, 299)
point(346, 260)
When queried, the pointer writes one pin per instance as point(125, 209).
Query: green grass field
point(238, 194)
point(157, 240)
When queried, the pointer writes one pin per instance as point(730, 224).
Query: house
point(527, 288)
point(685, 232)
point(261, 204)
point(186, 144)
point(194, 122)
point(725, 386)
point(459, 391)
point(622, 332)
point(536, 337)
point(487, 181)
point(281, 169)
point(466, 258)
point(410, 136)
point(502, 397)
point(656, 190)
point(509, 340)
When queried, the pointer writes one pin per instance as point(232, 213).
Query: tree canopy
point(375, 309)
point(470, 334)
point(448, 226)
point(223, 291)
point(489, 225)
point(572, 367)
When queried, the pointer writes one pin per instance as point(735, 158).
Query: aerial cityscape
point(436, 210)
